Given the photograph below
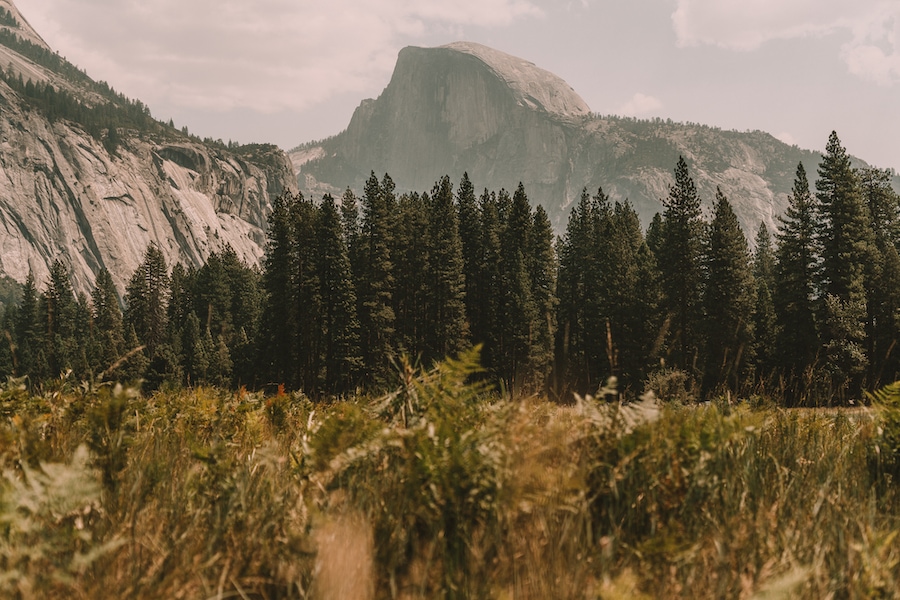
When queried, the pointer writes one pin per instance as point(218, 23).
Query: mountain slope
point(89, 178)
point(465, 107)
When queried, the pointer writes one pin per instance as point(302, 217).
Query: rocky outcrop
point(465, 107)
point(64, 196)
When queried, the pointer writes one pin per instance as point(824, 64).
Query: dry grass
point(441, 490)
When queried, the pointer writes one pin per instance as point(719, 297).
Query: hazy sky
point(289, 71)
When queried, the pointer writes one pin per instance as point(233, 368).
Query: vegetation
point(441, 489)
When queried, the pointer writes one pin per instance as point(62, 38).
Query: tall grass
point(442, 489)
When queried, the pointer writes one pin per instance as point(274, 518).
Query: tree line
point(811, 315)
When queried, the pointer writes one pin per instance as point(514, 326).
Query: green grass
point(442, 490)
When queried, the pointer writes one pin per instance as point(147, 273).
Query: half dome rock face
point(532, 87)
point(464, 107)
point(460, 107)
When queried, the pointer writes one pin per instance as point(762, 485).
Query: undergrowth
point(442, 489)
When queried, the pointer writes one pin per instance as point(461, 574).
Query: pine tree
point(882, 276)
point(542, 273)
point(796, 276)
point(57, 314)
point(679, 256)
point(446, 325)
point(308, 308)
point(278, 336)
point(470, 235)
point(28, 333)
point(486, 327)
point(847, 245)
point(342, 358)
point(146, 300)
point(410, 257)
point(632, 297)
point(108, 332)
point(764, 314)
point(376, 314)
point(730, 299)
point(518, 312)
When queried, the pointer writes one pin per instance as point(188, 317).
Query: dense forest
point(351, 289)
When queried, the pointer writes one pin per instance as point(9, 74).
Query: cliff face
point(64, 196)
point(465, 107)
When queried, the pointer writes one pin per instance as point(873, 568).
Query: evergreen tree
point(108, 333)
point(730, 300)
point(882, 277)
point(57, 314)
point(518, 312)
point(542, 273)
point(146, 300)
point(308, 308)
point(410, 257)
point(847, 245)
point(796, 274)
point(447, 330)
point(341, 328)
point(486, 327)
point(28, 333)
point(764, 315)
point(376, 287)
point(279, 331)
point(632, 297)
point(470, 235)
point(680, 250)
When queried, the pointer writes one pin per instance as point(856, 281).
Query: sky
point(291, 71)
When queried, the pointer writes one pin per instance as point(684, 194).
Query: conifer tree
point(847, 245)
point(28, 333)
point(882, 277)
point(486, 327)
point(376, 288)
point(447, 330)
point(278, 335)
point(680, 250)
point(764, 313)
point(576, 292)
point(542, 272)
point(342, 358)
point(632, 297)
point(108, 344)
point(57, 314)
point(308, 307)
point(146, 300)
point(796, 276)
point(410, 256)
point(518, 313)
point(470, 235)
point(730, 300)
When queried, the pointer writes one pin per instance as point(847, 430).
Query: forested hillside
point(347, 288)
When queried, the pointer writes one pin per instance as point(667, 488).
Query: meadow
point(443, 489)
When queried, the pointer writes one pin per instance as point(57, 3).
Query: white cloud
point(873, 26)
point(640, 104)
point(268, 55)
point(787, 138)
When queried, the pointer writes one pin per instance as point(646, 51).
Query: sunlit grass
point(443, 489)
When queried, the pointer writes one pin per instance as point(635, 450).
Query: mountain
point(88, 177)
point(466, 107)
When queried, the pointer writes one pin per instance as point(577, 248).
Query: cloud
point(640, 104)
point(268, 55)
point(873, 52)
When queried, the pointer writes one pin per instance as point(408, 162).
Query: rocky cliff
point(465, 107)
point(68, 194)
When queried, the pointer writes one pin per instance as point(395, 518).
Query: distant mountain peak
point(535, 87)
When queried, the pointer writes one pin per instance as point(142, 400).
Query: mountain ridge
point(455, 108)
point(88, 177)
